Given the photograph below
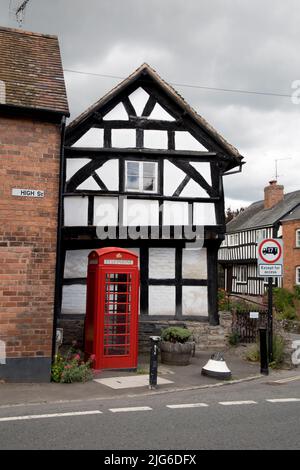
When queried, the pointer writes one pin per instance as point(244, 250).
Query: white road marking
point(288, 379)
point(282, 400)
point(53, 415)
point(245, 402)
point(187, 405)
point(132, 408)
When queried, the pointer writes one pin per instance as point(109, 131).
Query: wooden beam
point(99, 181)
point(182, 185)
point(114, 152)
point(141, 123)
point(82, 174)
point(128, 107)
point(194, 174)
point(149, 106)
point(147, 196)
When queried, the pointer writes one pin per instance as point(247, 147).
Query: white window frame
point(298, 275)
point(141, 179)
point(242, 274)
point(298, 238)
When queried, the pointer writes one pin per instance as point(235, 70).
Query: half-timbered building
point(262, 219)
point(143, 170)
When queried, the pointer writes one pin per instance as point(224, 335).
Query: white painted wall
point(155, 139)
point(162, 300)
point(74, 299)
point(75, 211)
point(175, 213)
point(194, 263)
point(162, 263)
point(123, 138)
point(105, 211)
point(109, 173)
point(173, 176)
point(159, 113)
point(76, 263)
point(140, 212)
point(138, 100)
point(185, 141)
point(204, 214)
point(194, 300)
point(73, 165)
point(117, 113)
point(92, 138)
point(89, 184)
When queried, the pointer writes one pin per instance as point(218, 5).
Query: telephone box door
point(118, 323)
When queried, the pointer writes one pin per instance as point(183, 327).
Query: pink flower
point(77, 357)
point(68, 367)
point(92, 357)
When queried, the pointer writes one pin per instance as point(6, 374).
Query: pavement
point(108, 384)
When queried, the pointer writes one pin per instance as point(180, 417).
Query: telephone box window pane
point(117, 314)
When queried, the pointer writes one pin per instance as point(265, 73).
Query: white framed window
point(298, 238)
point(241, 275)
point(141, 176)
point(298, 275)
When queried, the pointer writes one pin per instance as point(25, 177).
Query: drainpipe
point(57, 300)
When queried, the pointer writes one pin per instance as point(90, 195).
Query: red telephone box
point(111, 323)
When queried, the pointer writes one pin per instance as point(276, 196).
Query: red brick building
point(33, 106)
point(291, 254)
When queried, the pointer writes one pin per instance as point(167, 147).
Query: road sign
point(270, 257)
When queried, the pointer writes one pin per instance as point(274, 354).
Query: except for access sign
point(270, 257)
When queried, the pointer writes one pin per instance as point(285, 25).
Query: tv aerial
point(18, 9)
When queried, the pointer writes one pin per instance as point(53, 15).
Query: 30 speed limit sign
point(270, 257)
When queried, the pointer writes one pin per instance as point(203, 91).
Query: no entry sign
point(270, 257)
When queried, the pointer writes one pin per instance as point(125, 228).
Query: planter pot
point(178, 354)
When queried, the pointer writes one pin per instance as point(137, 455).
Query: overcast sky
point(232, 44)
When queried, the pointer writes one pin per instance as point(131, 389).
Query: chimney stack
point(273, 194)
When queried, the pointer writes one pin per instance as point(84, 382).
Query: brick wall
point(29, 158)
point(291, 254)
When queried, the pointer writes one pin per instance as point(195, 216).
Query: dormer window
point(141, 176)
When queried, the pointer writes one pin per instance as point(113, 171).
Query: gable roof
point(141, 73)
point(255, 216)
point(31, 69)
point(294, 215)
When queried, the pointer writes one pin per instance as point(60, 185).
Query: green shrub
point(297, 292)
point(176, 334)
point(71, 368)
point(234, 338)
point(278, 351)
point(223, 300)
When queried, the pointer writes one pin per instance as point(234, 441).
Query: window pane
point(148, 184)
point(132, 182)
point(133, 168)
point(149, 169)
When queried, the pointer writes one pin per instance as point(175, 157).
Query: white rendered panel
point(185, 141)
point(140, 212)
point(92, 138)
point(109, 173)
point(175, 213)
point(123, 138)
point(204, 214)
point(75, 211)
point(193, 189)
point(173, 176)
point(76, 263)
point(74, 299)
point(161, 263)
point(204, 169)
point(89, 184)
point(138, 100)
point(159, 113)
point(194, 300)
point(194, 263)
point(156, 139)
point(105, 211)
point(73, 165)
point(162, 300)
point(117, 113)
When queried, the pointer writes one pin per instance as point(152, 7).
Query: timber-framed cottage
point(142, 170)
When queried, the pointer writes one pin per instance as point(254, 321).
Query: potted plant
point(176, 346)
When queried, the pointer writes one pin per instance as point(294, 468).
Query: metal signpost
point(270, 265)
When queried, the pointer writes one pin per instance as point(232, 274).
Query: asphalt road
point(230, 417)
